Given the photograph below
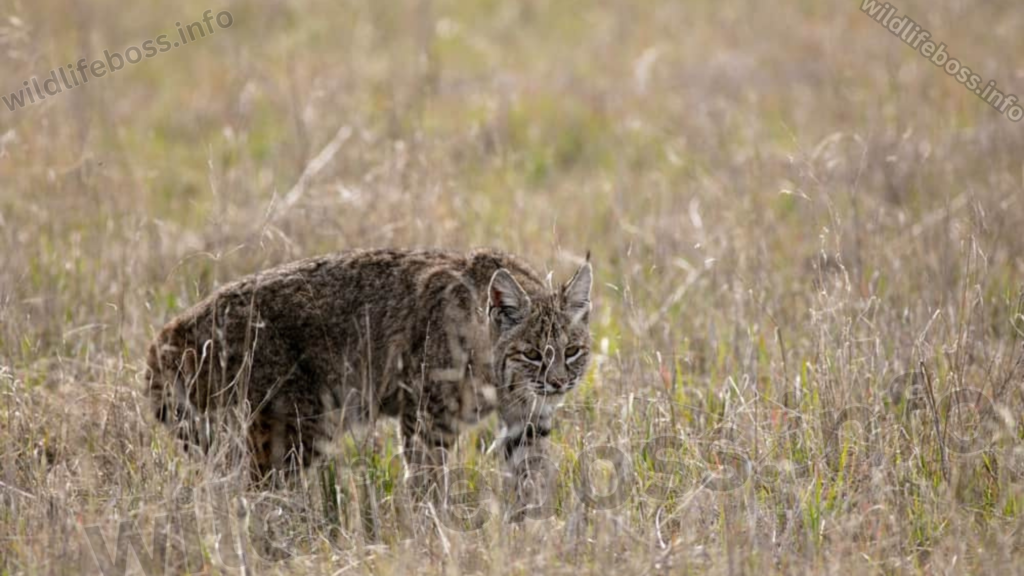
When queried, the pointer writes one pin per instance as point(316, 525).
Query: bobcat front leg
point(425, 446)
point(529, 471)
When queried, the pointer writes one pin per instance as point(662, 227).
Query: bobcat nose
point(559, 383)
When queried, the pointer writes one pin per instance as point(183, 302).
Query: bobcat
point(436, 339)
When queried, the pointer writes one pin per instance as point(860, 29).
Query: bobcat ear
point(507, 302)
point(576, 293)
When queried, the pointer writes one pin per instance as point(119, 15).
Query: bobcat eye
point(532, 356)
point(572, 351)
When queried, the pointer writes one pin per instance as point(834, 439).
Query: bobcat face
point(541, 345)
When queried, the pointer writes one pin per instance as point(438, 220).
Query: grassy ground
point(807, 240)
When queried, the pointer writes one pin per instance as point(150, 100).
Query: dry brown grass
point(787, 207)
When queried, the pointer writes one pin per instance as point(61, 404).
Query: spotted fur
point(437, 340)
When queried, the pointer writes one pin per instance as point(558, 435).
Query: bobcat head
point(540, 344)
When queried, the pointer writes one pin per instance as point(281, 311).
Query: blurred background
point(787, 207)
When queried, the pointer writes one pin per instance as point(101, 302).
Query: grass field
point(808, 241)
